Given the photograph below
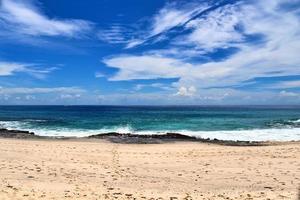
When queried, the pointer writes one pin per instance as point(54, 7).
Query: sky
point(133, 52)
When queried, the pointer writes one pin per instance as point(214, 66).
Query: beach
point(101, 169)
point(149, 100)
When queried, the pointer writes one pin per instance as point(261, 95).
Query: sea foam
point(271, 134)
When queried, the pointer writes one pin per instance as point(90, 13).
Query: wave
point(270, 134)
point(292, 123)
point(60, 132)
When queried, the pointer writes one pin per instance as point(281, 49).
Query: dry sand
point(97, 169)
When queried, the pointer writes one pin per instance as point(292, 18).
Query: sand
point(98, 169)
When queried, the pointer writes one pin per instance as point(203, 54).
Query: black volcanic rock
point(157, 136)
point(168, 137)
point(5, 133)
point(142, 139)
point(131, 138)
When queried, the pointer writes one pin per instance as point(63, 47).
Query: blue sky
point(149, 52)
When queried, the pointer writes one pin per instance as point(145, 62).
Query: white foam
point(287, 134)
point(61, 132)
point(12, 124)
point(296, 121)
point(275, 134)
point(80, 132)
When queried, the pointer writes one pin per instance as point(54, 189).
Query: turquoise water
point(227, 122)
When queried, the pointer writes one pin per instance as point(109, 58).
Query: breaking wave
point(287, 130)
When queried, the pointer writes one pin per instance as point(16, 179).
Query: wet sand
point(99, 169)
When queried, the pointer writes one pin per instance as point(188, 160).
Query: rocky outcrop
point(168, 137)
point(5, 133)
point(132, 138)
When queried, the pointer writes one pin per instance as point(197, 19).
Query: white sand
point(96, 169)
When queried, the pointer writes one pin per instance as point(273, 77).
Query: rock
point(16, 133)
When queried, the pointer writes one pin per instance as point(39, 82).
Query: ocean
point(252, 123)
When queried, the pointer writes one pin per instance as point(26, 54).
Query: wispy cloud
point(170, 16)
point(166, 19)
point(160, 86)
point(41, 95)
point(222, 27)
point(207, 96)
point(121, 34)
point(285, 85)
point(289, 94)
point(100, 75)
point(11, 68)
point(134, 42)
point(7, 68)
point(25, 18)
point(116, 34)
point(215, 30)
point(146, 67)
point(70, 96)
point(21, 90)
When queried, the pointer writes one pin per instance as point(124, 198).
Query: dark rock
point(16, 134)
point(132, 138)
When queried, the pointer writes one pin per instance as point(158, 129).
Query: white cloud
point(20, 90)
point(134, 42)
point(186, 91)
point(289, 94)
point(286, 84)
point(163, 21)
point(169, 17)
point(201, 97)
point(7, 68)
point(115, 34)
point(161, 86)
point(24, 17)
point(99, 75)
point(179, 53)
point(38, 72)
point(70, 96)
point(277, 55)
point(144, 67)
point(291, 84)
point(45, 96)
point(215, 30)
point(29, 97)
point(10, 68)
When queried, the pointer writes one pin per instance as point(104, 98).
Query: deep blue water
point(223, 122)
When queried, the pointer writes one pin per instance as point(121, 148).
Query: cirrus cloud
point(265, 33)
point(33, 90)
point(25, 18)
point(11, 68)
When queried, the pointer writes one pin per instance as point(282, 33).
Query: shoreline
point(128, 138)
